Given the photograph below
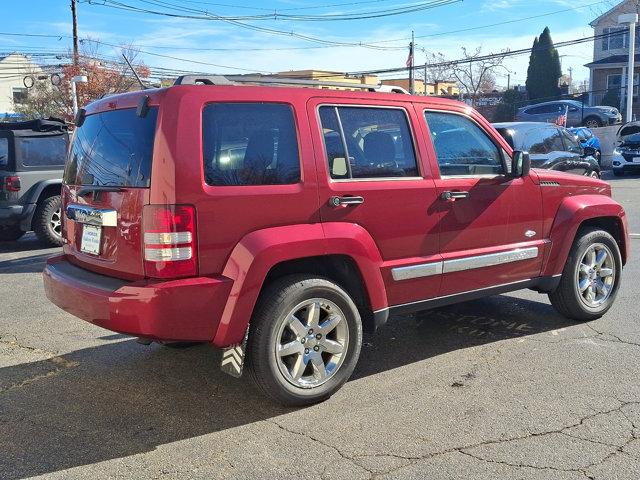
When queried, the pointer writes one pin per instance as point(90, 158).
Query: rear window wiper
point(84, 190)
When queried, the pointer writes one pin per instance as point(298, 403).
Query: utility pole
point(412, 81)
point(426, 60)
point(74, 19)
point(508, 81)
point(632, 20)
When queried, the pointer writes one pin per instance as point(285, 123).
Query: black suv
point(32, 156)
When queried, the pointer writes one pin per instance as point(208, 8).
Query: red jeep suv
point(278, 223)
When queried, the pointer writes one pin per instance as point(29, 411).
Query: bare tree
point(437, 68)
point(477, 73)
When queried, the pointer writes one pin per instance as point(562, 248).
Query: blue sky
point(240, 48)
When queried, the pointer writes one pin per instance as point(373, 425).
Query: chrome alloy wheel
point(56, 221)
point(596, 275)
point(311, 343)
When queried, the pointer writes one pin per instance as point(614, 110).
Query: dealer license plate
point(90, 242)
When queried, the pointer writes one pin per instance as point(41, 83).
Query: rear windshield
point(113, 149)
point(43, 151)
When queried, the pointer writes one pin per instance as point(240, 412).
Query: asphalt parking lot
point(499, 388)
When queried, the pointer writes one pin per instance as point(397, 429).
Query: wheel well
point(610, 225)
point(594, 117)
point(342, 269)
point(49, 191)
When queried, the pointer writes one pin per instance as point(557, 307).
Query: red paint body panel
point(243, 232)
point(163, 310)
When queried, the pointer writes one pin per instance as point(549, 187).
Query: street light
point(631, 19)
point(74, 94)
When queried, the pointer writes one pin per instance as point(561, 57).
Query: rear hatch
point(106, 185)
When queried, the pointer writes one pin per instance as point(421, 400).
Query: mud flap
point(233, 358)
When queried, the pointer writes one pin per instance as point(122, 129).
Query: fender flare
point(34, 194)
point(574, 211)
point(258, 252)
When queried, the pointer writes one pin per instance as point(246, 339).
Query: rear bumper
point(175, 310)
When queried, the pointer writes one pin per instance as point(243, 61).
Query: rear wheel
point(47, 221)
point(592, 122)
point(304, 340)
point(10, 233)
point(591, 276)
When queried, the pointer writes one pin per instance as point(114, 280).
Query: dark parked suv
point(32, 156)
point(279, 223)
point(550, 146)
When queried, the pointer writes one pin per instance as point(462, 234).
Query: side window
point(4, 152)
point(571, 143)
point(363, 142)
point(539, 141)
point(42, 151)
point(250, 144)
point(462, 147)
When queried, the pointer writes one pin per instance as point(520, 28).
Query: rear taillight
point(12, 184)
point(169, 236)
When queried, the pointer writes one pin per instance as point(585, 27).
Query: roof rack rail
point(259, 79)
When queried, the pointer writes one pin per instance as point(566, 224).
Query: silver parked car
point(578, 114)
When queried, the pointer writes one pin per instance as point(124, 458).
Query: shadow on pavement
point(122, 398)
point(31, 264)
point(27, 243)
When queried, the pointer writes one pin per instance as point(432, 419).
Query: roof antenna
point(134, 72)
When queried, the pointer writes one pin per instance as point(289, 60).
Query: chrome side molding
point(100, 217)
point(460, 264)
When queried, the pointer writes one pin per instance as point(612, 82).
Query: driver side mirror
point(520, 164)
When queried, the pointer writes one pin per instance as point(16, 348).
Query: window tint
point(377, 142)
point(41, 151)
point(4, 152)
point(250, 144)
point(540, 140)
point(571, 143)
point(462, 147)
point(113, 148)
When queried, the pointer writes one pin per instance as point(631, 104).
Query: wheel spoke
point(330, 323)
point(591, 293)
point(584, 269)
point(605, 272)
point(313, 315)
point(290, 348)
point(333, 347)
point(601, 256)
point(590, 257)
point(297, 327)
point(600, 287)
point(584, 284)
point(319, 368)
point(298, 367)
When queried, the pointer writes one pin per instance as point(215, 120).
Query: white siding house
point(13, 70)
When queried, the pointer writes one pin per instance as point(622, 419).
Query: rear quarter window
point(42, 151)
point(250, 144)
point(4, 152)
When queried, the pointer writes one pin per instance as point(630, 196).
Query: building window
point(19, 94)
point(616, 82)
point(617, 38)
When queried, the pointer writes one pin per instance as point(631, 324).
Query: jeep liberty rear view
point(279, 223)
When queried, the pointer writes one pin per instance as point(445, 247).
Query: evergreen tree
point(544, 69)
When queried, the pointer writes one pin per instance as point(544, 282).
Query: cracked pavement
point(500, 388)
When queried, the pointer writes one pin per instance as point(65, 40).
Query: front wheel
point(591, 276)
point(304, 340)
point(592, 122)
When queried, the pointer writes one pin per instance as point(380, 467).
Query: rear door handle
point(345, 201)
point(452, 196)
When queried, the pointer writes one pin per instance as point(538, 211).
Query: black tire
point(592, 122)
point(43, 221)
point(10, 233)
point(618, 173)
point(566, 299)
point(275, 304)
